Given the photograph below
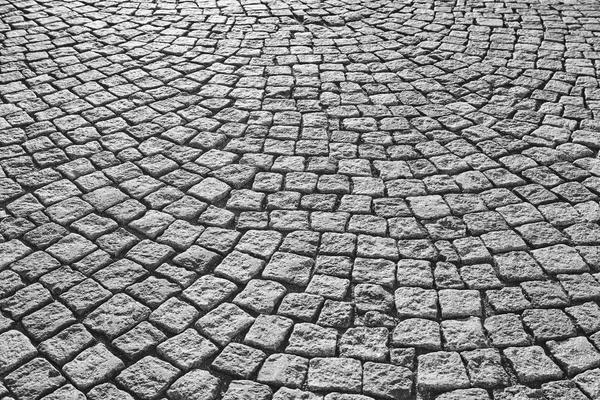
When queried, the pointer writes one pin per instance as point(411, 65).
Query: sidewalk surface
point(299, 200)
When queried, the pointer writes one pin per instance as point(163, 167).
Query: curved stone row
point(317, 200)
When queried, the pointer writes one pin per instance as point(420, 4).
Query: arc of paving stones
point(299, 200)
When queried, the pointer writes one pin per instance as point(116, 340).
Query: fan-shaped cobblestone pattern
point(337, 200)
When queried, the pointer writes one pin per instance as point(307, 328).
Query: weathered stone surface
point(187, 350)
point(532, 364)
point(441, 371)
point(224, 322)
point(386, 381)
point(239, 360)
point(335, 374)
point(92, 366)
point(148, 378)
point(15, 348)
point(284, 370)
point(199, 183)
point(247, 390)
point(34, 379)
point(195, 385)
point(117, 315)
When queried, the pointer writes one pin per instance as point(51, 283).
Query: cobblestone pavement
point(299, 199)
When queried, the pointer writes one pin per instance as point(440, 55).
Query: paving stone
point(289, 268)
point(92, 366)
point(588, 382)
point(294, 394)
point(84, 296)
point(353, 167)
point(197, 259)
point(119, 275)
point(25, 300)
point(465, 394)
point(283, 370)
point(71, 248)
point(364, 343)
point(34, 379)
point(15, 348)
point(586, 316)
point(485, 369)
point(548, 324)
point(335, 374)
point(459, 303)
point(532, 365)
point(224, 323)
point(239, 267)
point(416, 302)
point(239, 360)
point(187, 350)
point(117, 315)
point(43, 323)
point(247, 390)
point(148, 378)
point(302, 306)
point(150, 254)
point(370, 297)
point(441, 371)
point(506, 330)
point(336, 314)
point(419, 333)
point(311, 340)
point(260, 296)
point(139, 340)
point(208, 291)
point(575, 354)
point(108, 391)
point(464, 334)
point(195, 385)
point(556, 390)
point(66, 392)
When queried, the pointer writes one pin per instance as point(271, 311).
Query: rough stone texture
point(195, 385)
point(34, 379)
point(148, 377)
point(283, 370)
point(15, 349)
point(441, 371)
point(92, 366)
point(532, 364)
point(118, 314)
point(335, 374)
point(306, 197)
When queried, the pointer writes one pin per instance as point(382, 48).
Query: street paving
point(299, 199)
